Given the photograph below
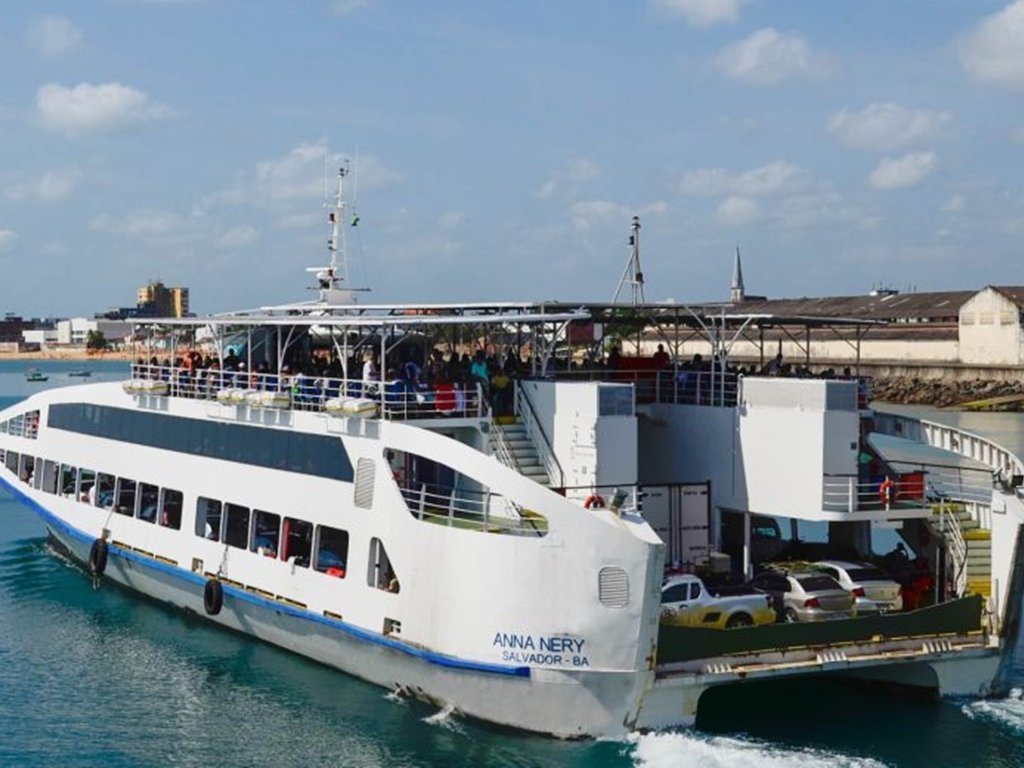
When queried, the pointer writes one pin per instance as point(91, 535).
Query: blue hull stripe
point(240, 594)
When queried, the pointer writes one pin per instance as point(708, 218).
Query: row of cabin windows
point(22, 425)
point(321, 547)
point(146, 501)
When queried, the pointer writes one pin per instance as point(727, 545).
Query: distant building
point(157, 300)
point(75, 331)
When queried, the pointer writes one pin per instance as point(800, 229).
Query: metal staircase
point(969, 547)
point(514, 448)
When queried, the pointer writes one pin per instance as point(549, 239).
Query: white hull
point(562, 704)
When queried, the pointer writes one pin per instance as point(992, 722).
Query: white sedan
point(874, 590)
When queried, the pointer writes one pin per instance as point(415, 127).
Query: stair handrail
point(501, 447)
point(954, 535)
point(532, 423)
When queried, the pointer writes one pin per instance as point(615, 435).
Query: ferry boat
point(337, 481)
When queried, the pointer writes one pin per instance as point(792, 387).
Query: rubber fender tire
point(98, 557)
point(213, 597)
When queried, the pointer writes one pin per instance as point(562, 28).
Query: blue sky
point(503, 148)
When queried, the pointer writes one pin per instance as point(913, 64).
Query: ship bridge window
point(125, 497)
point(173, 501)
point(297, 538)
point(104, 490)
point(208, 517)
point(266, 532)
point(331, 551)
point(236, 526)
point(380, 573)
point(149, 500)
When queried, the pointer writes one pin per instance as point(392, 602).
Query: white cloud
point(451, 220)
point(52, 36)
point(51, 187)
point(994, 51)
point(144, 224)
point(88, 108)
point(701, 13)
point(955, 204)
point(736, 211)
point(886, 126)
point(344, 7)
point(769, 57)
point(903, 172)
point(238, 237)
point(779, 176)
point(8, 237)
point(569, 179)
point(299, 175)
point(586, 214)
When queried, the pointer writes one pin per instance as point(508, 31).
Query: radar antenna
point(632, 276)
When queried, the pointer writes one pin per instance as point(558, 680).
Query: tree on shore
point(95, 341)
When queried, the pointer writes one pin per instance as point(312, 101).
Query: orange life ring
point(885, 490)
point(593, 502)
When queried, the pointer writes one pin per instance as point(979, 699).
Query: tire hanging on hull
point(213, 597)
point(98, 558)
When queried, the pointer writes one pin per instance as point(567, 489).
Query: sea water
point(99, 677)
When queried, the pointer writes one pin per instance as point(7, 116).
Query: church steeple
point(737, 293)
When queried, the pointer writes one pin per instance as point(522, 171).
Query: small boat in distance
point(80, 374)
point(34, 374)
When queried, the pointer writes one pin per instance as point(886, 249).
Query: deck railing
point(679, 387)
point(490, 513)
point(394, 400)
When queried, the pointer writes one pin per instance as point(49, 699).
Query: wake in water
point(1008, 711)
point(670, 750)
point(445, 718)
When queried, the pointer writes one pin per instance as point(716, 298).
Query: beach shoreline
point(79, 354)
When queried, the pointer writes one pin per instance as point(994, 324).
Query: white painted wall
point(593, 450)
point(990, 330)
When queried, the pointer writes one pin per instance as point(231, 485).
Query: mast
point(633, 275)
point(332, 280)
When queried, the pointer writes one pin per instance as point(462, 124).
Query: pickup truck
point(685, 601)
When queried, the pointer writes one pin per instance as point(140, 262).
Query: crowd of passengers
point(410, 376)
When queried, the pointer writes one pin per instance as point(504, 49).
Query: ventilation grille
point(613, 587)
point(365, 469)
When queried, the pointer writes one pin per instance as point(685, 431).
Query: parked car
point(686, 601)
point(872, 588)
point(805, 595)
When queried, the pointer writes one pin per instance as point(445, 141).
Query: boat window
point(331, 551)
point(173, 501)
point(50, 476)
point(266, 532)
point(208, 514)
point(125, 497)
point(380, 574)
point(32, 424)
point(17, 425)
point(297, 536)
point(104, 490)
point(28, 466)
point(11, 461)
point(149, 498)
point(318, 455)
point(236, 526)
point(68, 481)
point(37, 474)
point(87, 486)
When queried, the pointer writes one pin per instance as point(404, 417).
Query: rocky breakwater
point(942, 394)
